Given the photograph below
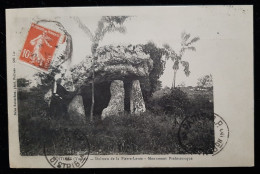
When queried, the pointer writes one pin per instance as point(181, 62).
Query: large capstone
point(116, 103)
point(137, 104)
point(76, 110)
point(113, 63)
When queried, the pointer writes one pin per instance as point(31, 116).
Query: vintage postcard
point(117, 87)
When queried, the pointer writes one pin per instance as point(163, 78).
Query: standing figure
point(59, 101)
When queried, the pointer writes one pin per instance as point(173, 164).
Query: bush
point(201, 105)
point(22, 95)
point(179, 103)
point(176, 102)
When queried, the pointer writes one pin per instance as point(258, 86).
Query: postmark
point(39, 47)
point(221, 133)
point(66, 148)
point(203, 134)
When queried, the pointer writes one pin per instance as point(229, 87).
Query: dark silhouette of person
point(59, 101)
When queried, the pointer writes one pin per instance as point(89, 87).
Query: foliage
point(201, 104)
point(47, 78)
point(176, 102)
point(22, 82)
point(205, 81)
point(177, 57)
point(152, 84)
point(182, 84)
point(160, 93)
point(181, 101)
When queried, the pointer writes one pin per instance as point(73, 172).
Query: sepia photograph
point(125, 85)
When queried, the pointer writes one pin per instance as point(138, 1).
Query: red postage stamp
point(39, 47)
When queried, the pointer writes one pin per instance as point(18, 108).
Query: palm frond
point(166, 46)
point(181, 51)
point(183, 34)
point(100, 33)
point(100, 25)
point(186, 37)
point(121, 29)
point(84, 28)
point(195, 39)
point(191, 48)
point(173, 58)
point(169, 52)
point(186, 66)
point(175, 65)
point(109, 24)
point(119, 19)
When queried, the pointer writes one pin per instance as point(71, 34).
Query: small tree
point(205, 81)
point(22, 82)
point(46, 79)
point(106, 25)
point(152, 83)
point(176, 102)
point(186, 44)
point(182, 84)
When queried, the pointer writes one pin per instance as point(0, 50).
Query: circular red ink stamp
point(39, 47)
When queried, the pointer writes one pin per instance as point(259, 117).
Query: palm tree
point(186, 44)
point(106, 25)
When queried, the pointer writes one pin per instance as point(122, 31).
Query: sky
point(217, 28)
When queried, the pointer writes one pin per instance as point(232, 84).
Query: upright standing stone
point(137, 104)
point(76, 110)
point(116, 103)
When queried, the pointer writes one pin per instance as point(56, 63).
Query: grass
point(148, 133)
point(124, 134)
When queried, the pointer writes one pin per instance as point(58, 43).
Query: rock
point(116, 103)
point(113, 63)
point(76, 110)
point(137, 104)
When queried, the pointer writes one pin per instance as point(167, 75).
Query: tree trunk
point(174, 78)
point(92, 95)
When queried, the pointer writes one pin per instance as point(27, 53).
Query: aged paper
point(103, 87)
